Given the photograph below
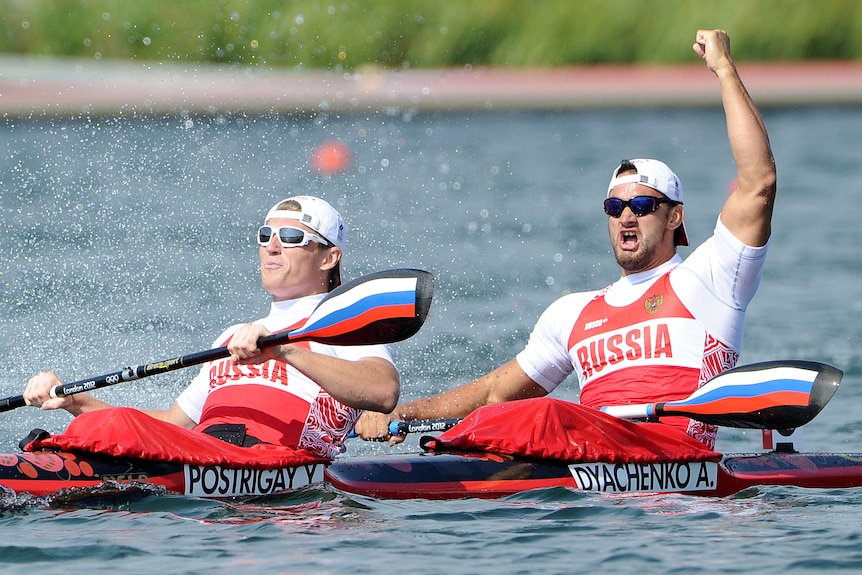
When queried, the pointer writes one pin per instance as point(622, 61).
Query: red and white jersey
point(277, 403)
point(652, 336)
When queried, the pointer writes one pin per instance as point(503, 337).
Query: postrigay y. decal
point(216, 481)
point(664, 477)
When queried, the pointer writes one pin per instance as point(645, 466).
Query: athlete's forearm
point(746, 131)
point(455, 402)
point(370, 383)
point(506, 383)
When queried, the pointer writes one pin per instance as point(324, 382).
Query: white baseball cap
point(321, 217)
point(658, 176)
point(318, 215)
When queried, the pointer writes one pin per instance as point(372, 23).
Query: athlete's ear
point(331, 258)
point(677, 213)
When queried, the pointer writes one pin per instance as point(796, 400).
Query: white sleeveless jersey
point(276, 402)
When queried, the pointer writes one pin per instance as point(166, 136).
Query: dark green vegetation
point(346, 34)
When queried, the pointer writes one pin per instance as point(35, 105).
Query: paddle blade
point(383, 307)
point(768, 395)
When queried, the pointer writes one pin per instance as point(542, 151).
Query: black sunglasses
point(640, 205)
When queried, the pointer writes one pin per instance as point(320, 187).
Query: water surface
point(128, 240)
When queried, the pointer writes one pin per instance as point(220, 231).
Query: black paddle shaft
point(140, 371)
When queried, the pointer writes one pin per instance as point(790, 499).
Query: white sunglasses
point(288, 237)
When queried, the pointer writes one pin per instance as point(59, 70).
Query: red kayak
point(427, 475)
point(497, 451)
point(509, 448)
point(121, 446)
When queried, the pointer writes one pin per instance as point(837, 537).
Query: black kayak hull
point(485, 475)
point(429, 475)
point(48, 472)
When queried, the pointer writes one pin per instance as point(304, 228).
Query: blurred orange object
point(331, 157)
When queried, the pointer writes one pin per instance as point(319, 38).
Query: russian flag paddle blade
point(383, 307)
point(766, 395)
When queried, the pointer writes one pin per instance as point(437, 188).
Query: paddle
point(766, 395)
point(383, 307)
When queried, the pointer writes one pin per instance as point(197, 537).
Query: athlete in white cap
point(305, 395)
point(667, 325)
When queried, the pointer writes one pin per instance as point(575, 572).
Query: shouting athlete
point(667, 325)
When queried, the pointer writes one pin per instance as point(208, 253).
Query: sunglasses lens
point(643, 205)
point(614, 207)
point(290, 235)
point(264, 234)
